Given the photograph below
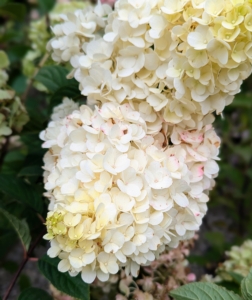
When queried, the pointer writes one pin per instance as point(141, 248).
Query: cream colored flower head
point(182, 56)
point(122, 185)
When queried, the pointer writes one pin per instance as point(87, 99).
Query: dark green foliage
point(246, 287)
point(14, 11)
point(53, 77)
point(19, 190)
point(46, 5)
point(20, 226)
point(203, 291)
point(231, 286)
point(16, 53)
point(211, 291)
point(73, 286)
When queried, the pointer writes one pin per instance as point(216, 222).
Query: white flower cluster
point(181, 56)
point(123, 185)
point(78, 28)
point(132, 176)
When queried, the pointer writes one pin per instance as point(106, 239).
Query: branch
point(21, 267)
point(41, 218)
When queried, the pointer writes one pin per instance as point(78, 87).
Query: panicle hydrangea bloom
point(239, 261)
point(12, 112)
point(123, 185)
point(181, 56)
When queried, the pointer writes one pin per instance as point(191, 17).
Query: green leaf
point(53, 77)
point(4, 60)
point(36, 109)
point(246, 287)
point(19, 84)
point(46, 5)
point(236, 277)
point(33, 143)
point(7, 240)
point(32, 166)
point(20, 227)
point(71, 90)
point(73, 286)
point(203, 291)
point(31, 171)
point(14, 11)
point(230, 285)
point(34, 294)
point(16, 53)
point(13, 161)
point(21, 191)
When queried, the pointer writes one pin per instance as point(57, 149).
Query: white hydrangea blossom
point(182, 56)
point(77, 28)
point(64, 109)
point(132, 176)
point(123, 185)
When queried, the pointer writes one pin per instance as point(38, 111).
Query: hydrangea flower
point(122, 185)
point(239, 260)
point(185, 57)
point(131, 177)
point(13, 115)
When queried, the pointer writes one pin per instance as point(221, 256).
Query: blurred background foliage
point(24, 31)
point(229, 220)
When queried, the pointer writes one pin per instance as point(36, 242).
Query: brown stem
point(41, 218)
point(21, 267)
